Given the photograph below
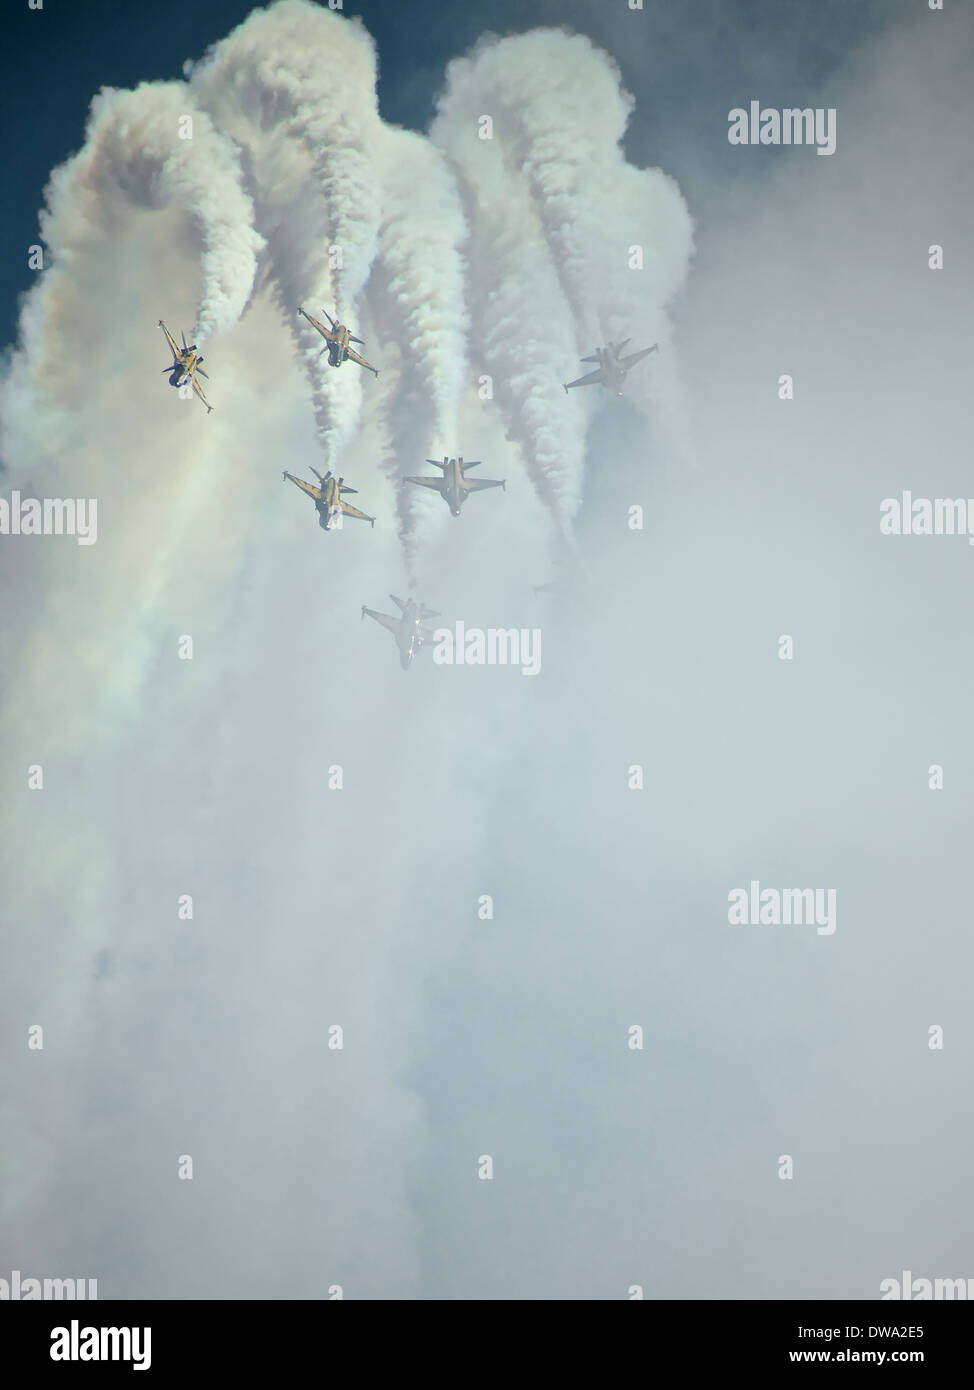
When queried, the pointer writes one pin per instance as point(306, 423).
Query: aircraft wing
point(356, 357)
point(199, 391)
point(592, 379)
point(325, 332)
point(392, 624)
point(627, 362)
point(478, 484)
point(172, 341)
point(309, 488)
point(437, 484)
point(349, 510)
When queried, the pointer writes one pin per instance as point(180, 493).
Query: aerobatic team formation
point(453, 485)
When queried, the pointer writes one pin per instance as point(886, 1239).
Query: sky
point(515, 907)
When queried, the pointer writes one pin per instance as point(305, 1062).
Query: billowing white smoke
point(286, 144)
point(620, 236)
point(148, 149)
point(594, 248)
point(417, 298)
point(295, 86)
point(152, 147)
point(522, 325)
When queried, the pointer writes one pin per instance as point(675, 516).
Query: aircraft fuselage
point(338, 349)
point(456, 493)
point(329, 509)
point(614, 374)
point(184, 366)
point(410, 639)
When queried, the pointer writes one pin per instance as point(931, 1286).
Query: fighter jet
point(408, 629)
point(328, 499)
point(453, 487)
point(185, 365)
point(338, 338)
point(612, 368)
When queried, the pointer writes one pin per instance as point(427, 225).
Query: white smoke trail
point(157, 150)
point(600, 215)
point(85, 413)
point(617, 239)
point(621, 237)
point(295, 86)
point(134, 156)
point(417, 299)
point(522, 325)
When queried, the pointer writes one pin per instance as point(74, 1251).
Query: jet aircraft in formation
point(328, 498)
point(612, 368)
point(454, 487)
point(185, 365)
point(338, 338)
point(407, 629)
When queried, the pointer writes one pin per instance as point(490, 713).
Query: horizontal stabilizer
point(593, 358)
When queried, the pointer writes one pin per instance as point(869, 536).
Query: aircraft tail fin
point(438, 463)
point(594, 358)
point(352, 339)
point(398, 602)
point(617, 347)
